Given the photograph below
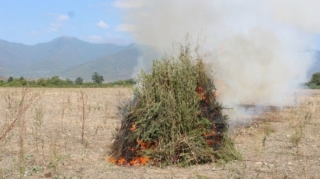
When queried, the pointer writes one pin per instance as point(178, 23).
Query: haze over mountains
point(68, 57)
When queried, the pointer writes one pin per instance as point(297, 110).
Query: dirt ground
point(46, 139)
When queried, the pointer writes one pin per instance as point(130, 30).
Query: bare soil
point(46, 140)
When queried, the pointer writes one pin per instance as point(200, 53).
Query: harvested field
point(46, 140)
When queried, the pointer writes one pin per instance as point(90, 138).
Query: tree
point(23, 81)
point(42, 82)
point(78, 81)
point(55, 81)
point(10, 79)
point(97, 78)
point(21, 78)
point(316, 78)
point(69, 81)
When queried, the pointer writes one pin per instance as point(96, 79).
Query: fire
point(221, 87)
point(137, 160)
point(146, 145)
point(200, 92)
point(212, 138)
point(205, 97)
point(133, 127)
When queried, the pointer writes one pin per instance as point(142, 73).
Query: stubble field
point(65, 133)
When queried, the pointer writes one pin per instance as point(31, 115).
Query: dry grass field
point(65, 133)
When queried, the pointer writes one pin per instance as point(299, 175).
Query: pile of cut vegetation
point(174, 117)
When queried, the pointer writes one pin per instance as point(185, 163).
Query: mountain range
point(68, 57)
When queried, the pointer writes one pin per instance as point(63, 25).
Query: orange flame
point(133, 127)
point(136, 161)
point(201, 92)
point(146, 145)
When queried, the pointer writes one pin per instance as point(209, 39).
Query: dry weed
point(283, 144)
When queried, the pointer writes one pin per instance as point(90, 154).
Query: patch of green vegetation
point(57, 82)
point(314, 83)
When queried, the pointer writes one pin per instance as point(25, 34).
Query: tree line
point(56, 81)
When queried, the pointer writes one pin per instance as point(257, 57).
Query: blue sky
point(36, 21)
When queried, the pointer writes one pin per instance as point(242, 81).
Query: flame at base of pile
point(130, 156)
point(136, 161)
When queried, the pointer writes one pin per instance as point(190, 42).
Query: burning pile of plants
point(174, 117)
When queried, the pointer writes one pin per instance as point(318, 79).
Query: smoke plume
point(258, 50)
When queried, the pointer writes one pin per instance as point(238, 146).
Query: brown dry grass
point(46, 143)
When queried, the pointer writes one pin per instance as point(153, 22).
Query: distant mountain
point(68, 57)
point(115, 66)
point(13, 55)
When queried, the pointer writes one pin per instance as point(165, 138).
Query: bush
point(314, 83)
point(42, 82)
point(78, 81)
point(174, 117)
point(10, 79)
point(316, 78)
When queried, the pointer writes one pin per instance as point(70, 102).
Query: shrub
point(174, 117)
point(78, 81)
point(10, 79)
point(316, 78)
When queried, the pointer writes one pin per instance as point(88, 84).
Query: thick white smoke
point(259, 49)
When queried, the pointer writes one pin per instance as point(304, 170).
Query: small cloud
point(58, 23)
point(125, 27)
point(102, 24)
point(128, 4)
